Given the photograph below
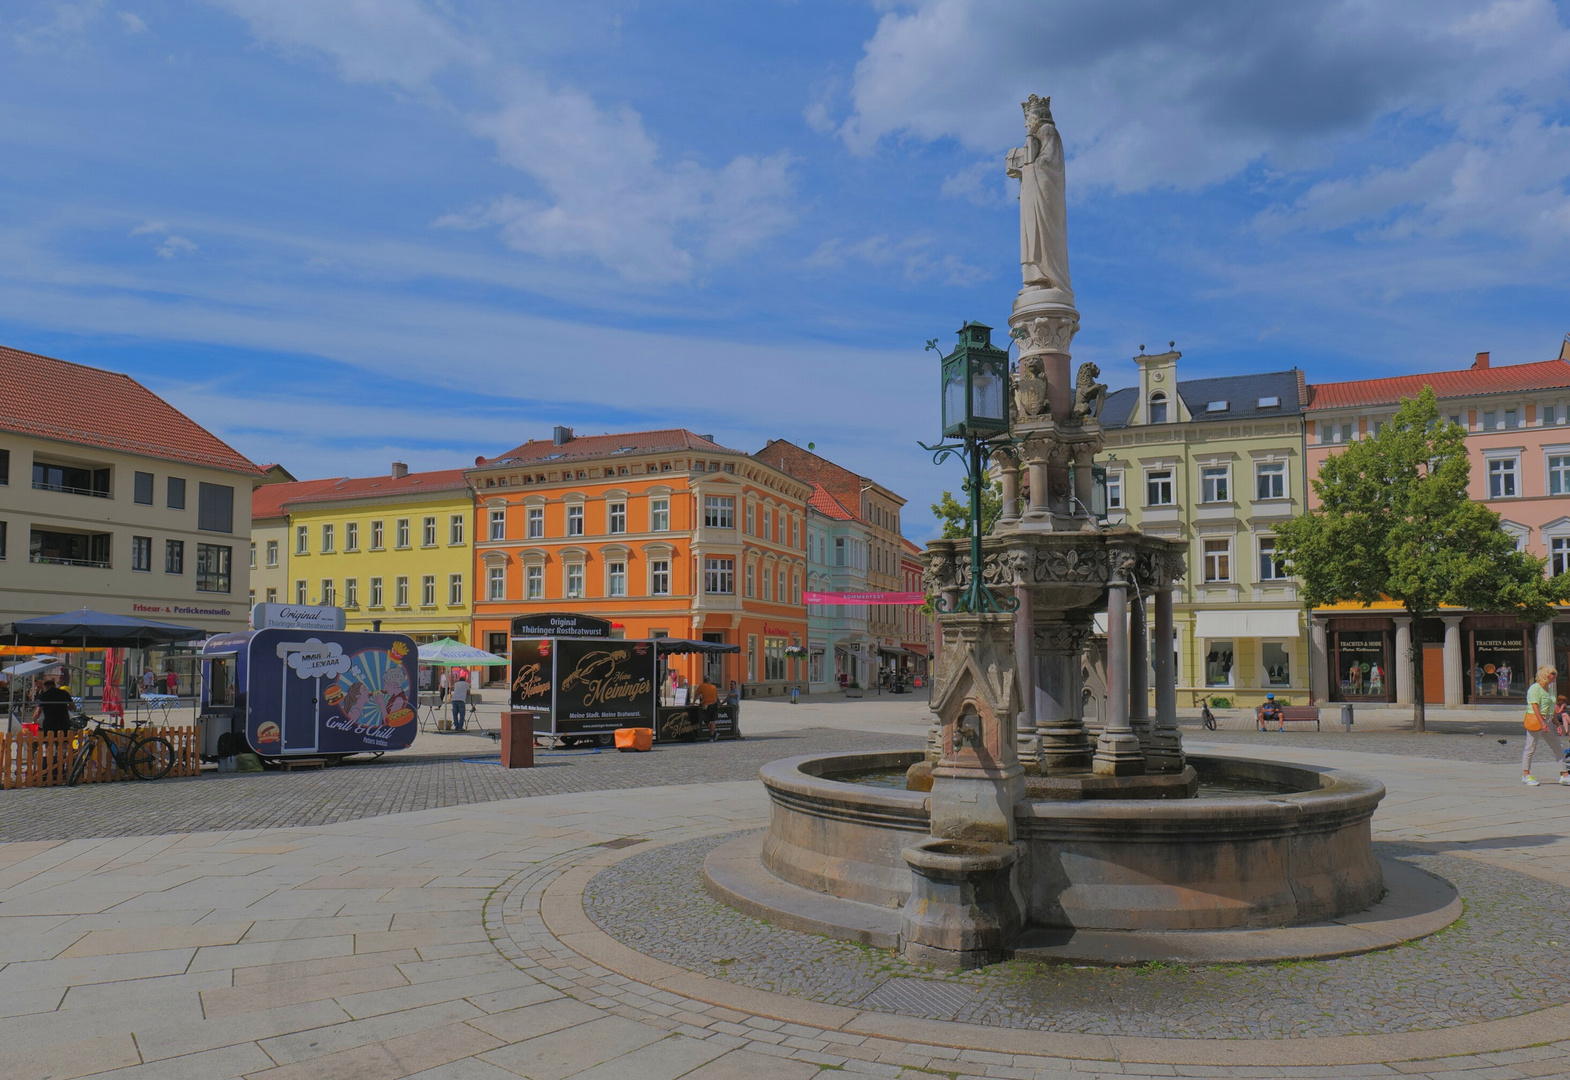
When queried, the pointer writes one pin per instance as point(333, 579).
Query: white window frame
point(454, 590)
point(1115, 489)
point(572, 581)
point(660, 514)
point(1558, 555)
point(1212, 560)
point(401, 591)
point(1277, 572)
point(534, 582)
point(351, 536)
point(575, 519)
point(496, 583)
point(1158, 398)
point(428, 531)
point(302, 539)
point(454, 529)
point(1556, 475)
point(1170, 481)
point(327, 539)
point(376, 592)
point(719, 576)
point(1268, 475)
point(329, 593)
point(659, 577)
point(616, 577)
point(1215, 483)
point(498, 523)
point(272, 553)
point(534, 518)
point(1510, 475)
point(401, 536)
point(427, 590)
point(719, 511)
point(378, 535)
point(616, 516)
point(351, 592)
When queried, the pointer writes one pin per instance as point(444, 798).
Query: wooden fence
point(45, 760)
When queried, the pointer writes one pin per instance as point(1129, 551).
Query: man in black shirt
point(54, 706)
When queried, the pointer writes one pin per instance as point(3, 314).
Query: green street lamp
point(976, 407)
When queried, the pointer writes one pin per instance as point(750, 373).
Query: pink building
point(1519, 438)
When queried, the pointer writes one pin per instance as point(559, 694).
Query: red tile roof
point(378, 487)
point(912, 548)
point(838, 481)
point(56, 399)
point(1468, 382)
point(828, 505)
point(268, 500)
point(582, 447)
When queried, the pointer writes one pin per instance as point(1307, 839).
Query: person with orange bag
point(1540, 729)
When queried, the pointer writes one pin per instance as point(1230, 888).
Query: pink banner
point(914, 598)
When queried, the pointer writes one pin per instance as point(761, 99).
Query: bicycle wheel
point(84, 753)
point(1210, 721)
point(150, 757)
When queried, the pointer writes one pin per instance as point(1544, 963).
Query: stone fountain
point(1019, 829)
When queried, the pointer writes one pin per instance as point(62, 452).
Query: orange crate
point(635, 738)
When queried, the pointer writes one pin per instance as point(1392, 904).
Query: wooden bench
point(1299, 714)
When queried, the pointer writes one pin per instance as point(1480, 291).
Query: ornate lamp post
point(976, 409)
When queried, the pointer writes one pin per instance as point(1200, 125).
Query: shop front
point(1360, 662)
point(1498, 657)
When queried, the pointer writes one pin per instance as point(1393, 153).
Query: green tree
point(1395, 522)
point(954, 514)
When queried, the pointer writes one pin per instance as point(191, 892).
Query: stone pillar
point(978, 777)
point(1008, 470)
point(1062, 745)
point(1545, 646)
point(1454, 672)
point(1139, 675)
point(1037, 466)
point(1117, 751)
point(1318, 662)
point(1166, 742)
point(1024, 664)
point(1403, 671)
point(1084, 480)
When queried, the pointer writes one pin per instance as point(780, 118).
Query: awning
point(893, 650)
point(858, 654)
point(666, 646)
point(1279, 623)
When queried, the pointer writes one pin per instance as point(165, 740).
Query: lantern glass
point(954, 397)
point(988, 399)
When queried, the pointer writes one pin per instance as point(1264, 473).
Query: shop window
point(351, 536)
point(1277, 662)
point(719, 511)
point(496, 588)
point(575, 520)
point(617, 514)
point(752, 658)
point(1270, 480)
point(1218, 560)
point(1114, 491)
point(141, 553)
point(174, 556)
point(142, 488)
point(659, 515)
point(1498, 665)
point(1502, 478)
point(719, 576)
point(1218, 663)
point(1213, 484)
point(534, 576)
point(1158, 487)
point(1158, 408)
point(212, 567)
point(1270, 567)
point(376, 592)
point(1361, 664)
point(659, 577)
point(773, 659)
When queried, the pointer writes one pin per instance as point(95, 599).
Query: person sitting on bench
point(1269, 711)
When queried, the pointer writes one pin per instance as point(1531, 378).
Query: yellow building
point(395, 552)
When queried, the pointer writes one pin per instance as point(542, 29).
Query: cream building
point(112, 499)
point(1219, 464)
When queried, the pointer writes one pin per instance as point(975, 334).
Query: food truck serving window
point(220, 681)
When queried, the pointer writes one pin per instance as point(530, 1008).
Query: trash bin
point(517, 740)
point(1346, 716)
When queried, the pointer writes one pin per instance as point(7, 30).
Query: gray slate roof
point(1241, 392)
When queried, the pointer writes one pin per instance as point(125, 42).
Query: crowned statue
point(1043, 229)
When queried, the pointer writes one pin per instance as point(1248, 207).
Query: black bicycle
point(1206, 717)
point(146, 757)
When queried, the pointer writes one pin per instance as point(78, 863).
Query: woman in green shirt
point(1540, 710)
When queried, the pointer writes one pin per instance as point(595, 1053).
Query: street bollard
point(1346, 716)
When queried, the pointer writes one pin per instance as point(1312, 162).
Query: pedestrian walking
point(1540, 728)
point(172, 681)
point(149, 682)
point(460, 699)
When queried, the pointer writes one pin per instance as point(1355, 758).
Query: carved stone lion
point(1089, 395)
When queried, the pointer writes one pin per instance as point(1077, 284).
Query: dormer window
point(1270, 402)
point(1158, 408)
point(1218, 406)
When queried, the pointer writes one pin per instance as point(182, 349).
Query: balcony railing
point(39, 485)
point(102, 564)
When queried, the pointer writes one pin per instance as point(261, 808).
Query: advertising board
point(589, 686)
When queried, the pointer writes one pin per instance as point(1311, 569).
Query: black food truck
point(579, 684)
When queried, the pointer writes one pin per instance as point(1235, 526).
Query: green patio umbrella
point(449, 652)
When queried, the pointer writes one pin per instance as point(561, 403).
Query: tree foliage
point(954, 514)
point(1395, 522)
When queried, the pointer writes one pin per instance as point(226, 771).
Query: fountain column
point(1139, 675)
point(1063, 746)
point(1166, 743)
point(1117, 751)
point(1008, 476)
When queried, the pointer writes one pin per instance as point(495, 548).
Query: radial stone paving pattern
point(1500, 960)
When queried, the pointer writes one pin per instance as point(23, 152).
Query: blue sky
point(340, 232)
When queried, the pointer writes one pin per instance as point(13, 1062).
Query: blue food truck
point(307, 692)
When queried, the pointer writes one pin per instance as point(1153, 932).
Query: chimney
point(561, 436)
point(399, 470)
point(1481, 363)
point(706, 438)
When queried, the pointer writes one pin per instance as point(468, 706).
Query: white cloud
point(175, 245)
point(604, 189)
point(132, 22)
point(149, 227)
point(913, 256)
point(68, 23)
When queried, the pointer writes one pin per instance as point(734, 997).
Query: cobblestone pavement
point(1447, 745)
point(391, 785)
point(1482, 968)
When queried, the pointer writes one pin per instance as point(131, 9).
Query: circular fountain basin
point(1263, 845)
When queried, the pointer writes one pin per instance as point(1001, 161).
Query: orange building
point(665, 533)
